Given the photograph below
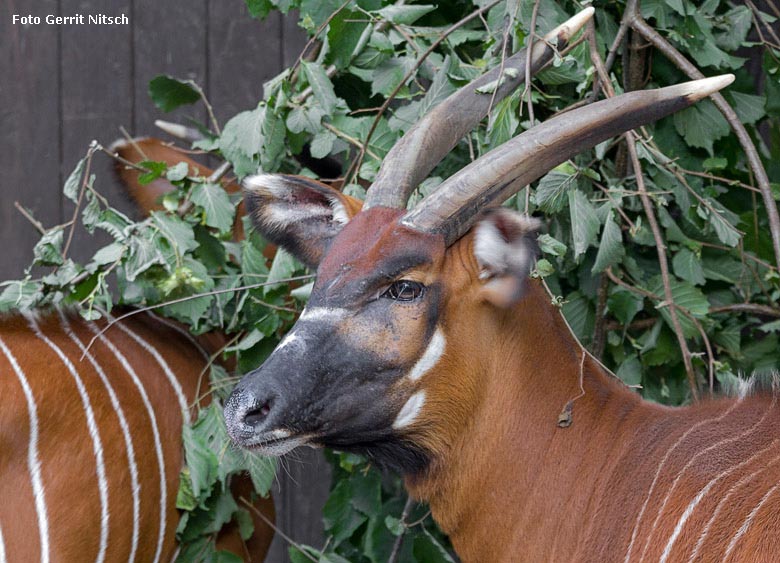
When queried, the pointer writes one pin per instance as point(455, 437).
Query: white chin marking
point(410, 410)
point(431, 356)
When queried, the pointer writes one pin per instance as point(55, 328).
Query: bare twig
point(33, 221)
point(754, 308)
point(355, 167)
point(84, 181)
point(662, 262)
point(531, 35)
point(276, 529)
point(190, 297)
point(399, 540)
point(754, 160)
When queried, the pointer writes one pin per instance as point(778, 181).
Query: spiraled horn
point(422, 147)
point(497, 175)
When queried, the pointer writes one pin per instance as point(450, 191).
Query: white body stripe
point(410, 410)
point(3, 558)
point(155, 432)
point(117, 407)
point(33, 461)
point(744, 480)
point(172, 379)
point(691, 461)
point(690, 508)
point(749, 520)
point(94, 434)
point(432, 355)
point(173, 326)
point(660, 467)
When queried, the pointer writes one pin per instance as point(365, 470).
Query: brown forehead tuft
point(374, 240)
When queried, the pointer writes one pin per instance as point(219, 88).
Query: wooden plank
point(303, 483)
point(294, 38)
point(29, 120)
point(97, 97)
point(169, 38)
point(243, 53)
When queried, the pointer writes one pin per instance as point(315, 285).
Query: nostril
point(256, 416)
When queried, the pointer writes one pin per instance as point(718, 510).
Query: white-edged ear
point(297, 213)
point(505, 248)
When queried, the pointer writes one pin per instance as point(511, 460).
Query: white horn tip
point(698, 89)
point(571, 26)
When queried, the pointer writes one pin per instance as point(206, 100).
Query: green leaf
point(630, 371)
point(48, 250)
point(428, 549)
point(283, 267)
point(322, 144)
point(344, 34)
point(579, 313)
point(216, 204)
point(701, 125)
point(73, 183)
point(176, 231)
point(749, 108)
point(388, 75)
point(338, 515)
point(552, 246)
point(154, 170)
point(201, 461)
point(143, 254)
point(584, 222)
point(177, 172)
point(259, 8)
point(321, 86)
point(168, 93)
point(550, 194)
point(405, 15)
point(611, 248)
point(686, 296)
point(687, 266)
point(624, 305)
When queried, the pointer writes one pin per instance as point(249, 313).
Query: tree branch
point(754, 161)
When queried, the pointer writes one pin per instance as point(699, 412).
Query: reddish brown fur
point(507, 483)
point(65, 449)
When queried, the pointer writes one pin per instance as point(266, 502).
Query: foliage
point(599, 255)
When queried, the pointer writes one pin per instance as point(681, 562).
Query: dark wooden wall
point(62, 86)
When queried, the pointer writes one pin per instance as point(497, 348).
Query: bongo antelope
point(425, 346)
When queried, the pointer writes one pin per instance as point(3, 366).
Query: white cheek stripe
point(431, 356)
point(126, 433)
point(289, 339)
point(323, 314)
point(155, 431)
point(94, 434)
point(410, 410)
point(33, 461)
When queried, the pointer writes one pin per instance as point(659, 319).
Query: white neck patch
point(410, 410)
point(430, 357)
